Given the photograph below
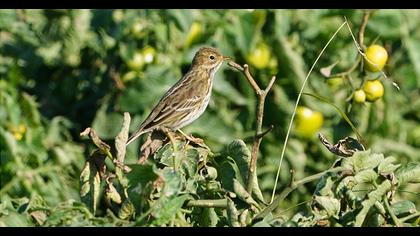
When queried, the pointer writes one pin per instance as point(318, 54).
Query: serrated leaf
point(366, 176)
point(409, 173)
point(373, 196)
point(366, 160)
point(329, 204)
point(173, 182)
point(386, 167)
point(165, 211)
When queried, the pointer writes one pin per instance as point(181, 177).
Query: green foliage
point(64, 70)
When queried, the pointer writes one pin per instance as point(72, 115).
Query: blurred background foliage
point(64, 70)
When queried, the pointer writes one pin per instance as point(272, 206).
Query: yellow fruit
point(260, 56)
point(137, 29)
point(373, 89)
point(136, 62)
point(359, 96)
point(148, 54)
point(376, 55)
point(307, 122)
point(18, 136)
point(194, 34)
point(335, 82)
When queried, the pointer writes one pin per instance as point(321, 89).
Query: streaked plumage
point(188, 98)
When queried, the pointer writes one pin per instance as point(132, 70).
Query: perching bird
point(188, 98)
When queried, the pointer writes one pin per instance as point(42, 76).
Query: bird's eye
point(211, 57)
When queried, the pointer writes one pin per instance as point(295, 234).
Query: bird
point(188, 98)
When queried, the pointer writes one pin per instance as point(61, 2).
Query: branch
point(261, 94)
point(292, 186)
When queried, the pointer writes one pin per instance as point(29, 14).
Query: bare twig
point(261, 94)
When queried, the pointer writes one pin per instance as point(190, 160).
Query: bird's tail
point(134, 136)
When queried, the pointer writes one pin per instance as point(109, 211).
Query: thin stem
point(391, 213)
point(409, 217)
point(209, 203)
point(366, 14)
point(296, 105)
point(292, 186)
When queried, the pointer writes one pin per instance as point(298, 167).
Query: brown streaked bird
point(188, 98)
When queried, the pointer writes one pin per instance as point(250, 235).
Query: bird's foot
point(192, 139)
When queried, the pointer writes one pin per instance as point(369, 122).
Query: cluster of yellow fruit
point(372, 90)
point(308, 122)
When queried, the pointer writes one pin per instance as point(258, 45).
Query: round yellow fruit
point(138, 29)
point(359, 96)
point(260, 56)
point(378, 56)
point(308, 122)
point(373, 90)
point(148, 54)
point(136, 62)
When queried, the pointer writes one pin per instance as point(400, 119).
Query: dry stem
point(261, 94)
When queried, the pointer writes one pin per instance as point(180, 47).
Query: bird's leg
point(195, 140)
point(168, 133)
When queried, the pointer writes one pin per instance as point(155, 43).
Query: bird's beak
point(226, 58)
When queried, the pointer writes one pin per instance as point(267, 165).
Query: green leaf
point(373, 196)
point(366, 160)
point(173, 182)
point(232, 213)
point(409, 173)
point(403, 208)
point(90, 184)
point(208, 217)
point(240, 153)
point(386, 167)
point(30, 109)
point(329, 204)
point(366, 176)
point(325, 185)
point(166, 209)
